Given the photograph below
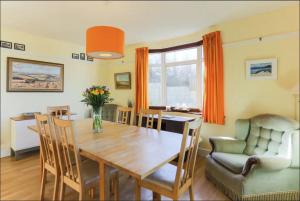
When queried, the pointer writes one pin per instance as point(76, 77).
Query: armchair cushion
point(227, 145)
point(234, 162)
point(269, 134)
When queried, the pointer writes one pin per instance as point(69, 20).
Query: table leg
point(102, 180)
point(137, 189)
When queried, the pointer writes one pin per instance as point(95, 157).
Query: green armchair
point(260, 163)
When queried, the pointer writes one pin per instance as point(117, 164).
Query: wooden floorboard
point(20, 180)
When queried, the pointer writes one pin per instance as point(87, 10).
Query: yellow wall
point(78, 75)
point(243, 98)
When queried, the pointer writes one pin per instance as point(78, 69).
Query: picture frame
point(75, 56)
point(6, 44)
point(123, 80)
point(88, 58)
point(261, 69)
point(82, 56)
point(18, 46)
point(25, 75)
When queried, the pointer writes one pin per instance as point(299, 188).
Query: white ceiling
point(142, 21)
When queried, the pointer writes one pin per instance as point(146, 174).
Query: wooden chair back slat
point(47, 143)
point(123, 114)
point(187, 159)
point(68, 153)
point(150, 114)
point(59, 111)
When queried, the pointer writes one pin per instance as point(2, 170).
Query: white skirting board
point(4, 152)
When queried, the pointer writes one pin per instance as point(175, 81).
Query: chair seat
point(90, 171)
point(233, 162)
point(164, 177)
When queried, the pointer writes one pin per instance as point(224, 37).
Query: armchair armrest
point(266, 162)
point(227, 145)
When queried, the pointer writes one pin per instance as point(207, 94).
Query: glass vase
point(97, 120)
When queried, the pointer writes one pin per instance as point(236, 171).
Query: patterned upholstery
point(260, 163)
point(269, 135)
point(109, 112)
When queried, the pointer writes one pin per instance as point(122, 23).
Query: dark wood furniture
point(170, 123)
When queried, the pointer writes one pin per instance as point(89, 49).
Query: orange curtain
point(141, 79)
point(213, 106)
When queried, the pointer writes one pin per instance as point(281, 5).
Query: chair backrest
point(123, 114)
point(68, 152)
point(47, 141)
point(59, 111)
point(150, 114)
point(187, 159)
point(270, 135)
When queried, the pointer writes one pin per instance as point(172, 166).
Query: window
point(175, 78)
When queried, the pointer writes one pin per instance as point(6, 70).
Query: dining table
point(137, 151)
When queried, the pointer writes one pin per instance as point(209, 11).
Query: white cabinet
point(22, 138)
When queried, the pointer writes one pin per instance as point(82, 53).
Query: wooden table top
point(136, 150)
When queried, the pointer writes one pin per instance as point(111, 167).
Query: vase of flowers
point(97, 96)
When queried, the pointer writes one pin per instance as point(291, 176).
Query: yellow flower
point(101, 91)
point(95, 92)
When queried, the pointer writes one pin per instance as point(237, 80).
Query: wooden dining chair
point(59, 111)
point(49, 156)
point(150, 114)
point(81, 176)
point(170, 180)
point(123, 113)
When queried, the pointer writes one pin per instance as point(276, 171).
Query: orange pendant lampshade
point(104, 42)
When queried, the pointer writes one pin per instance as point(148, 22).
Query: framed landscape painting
point(34, 76)
point(123, 80)
point(263, 69)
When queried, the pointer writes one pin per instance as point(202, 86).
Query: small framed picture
point(89, 58)
point(18, 46)
point(82, 56)
point(123, 80)
point(75, 56)
point(6, 44)
point(262, 69)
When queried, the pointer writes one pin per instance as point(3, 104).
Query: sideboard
point(24, 140)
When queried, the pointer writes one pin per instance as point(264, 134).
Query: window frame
point(164, 66)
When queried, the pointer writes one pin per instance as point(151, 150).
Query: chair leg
point(56, 185)
point(43, 183)
point(191, 191)
point(116, 186)
point(81, 194)
point(62, 190)
point(41, 165)
point(137, 190)
point(156, 196)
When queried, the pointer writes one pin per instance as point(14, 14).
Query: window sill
point(188, 110)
